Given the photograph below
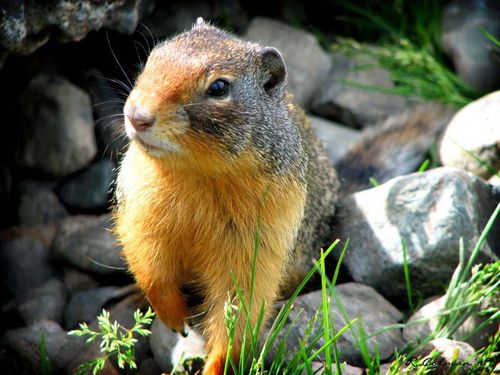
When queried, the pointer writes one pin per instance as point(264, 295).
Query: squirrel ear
point(274, 66)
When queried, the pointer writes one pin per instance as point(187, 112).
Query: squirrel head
point(208, 97)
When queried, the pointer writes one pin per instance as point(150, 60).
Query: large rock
point(431, 211)
point(57, 127)
point(473, 54)
point(474, 133)
point(425, 320)
point(162, 341)
point(45, 302)
point(24, 265)
point(86, 305)
point(88, 243)
point(341, 100)
point(89, 189)
point(336, 138)
point(38, 204)
point(60, 347)
point(351, 300)
point(28, 25)
point(307, 63)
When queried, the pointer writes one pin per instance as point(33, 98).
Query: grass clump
point(409, 47)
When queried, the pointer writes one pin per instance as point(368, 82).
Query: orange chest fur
point(194, 217)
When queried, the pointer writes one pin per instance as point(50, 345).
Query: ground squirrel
point(218, 153)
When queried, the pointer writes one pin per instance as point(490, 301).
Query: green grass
point(471, 287)
point(409, 47)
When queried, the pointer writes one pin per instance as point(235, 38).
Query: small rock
point(190, 347)
point(336, 138)
point(45, 302)
point(469, 49)
point(384, 369)
point(307, 63)
point(90, 188)
point(357, 301)
point(319, 368)
point(431, 211)
point(57, 128)
point(415, 332)
point(340, 100)
point(77, 281)
point(86, 305)
point(463, 143)
point(454, 354)
point(24, 265)
point(39, 205)
point(88, 243)
point(162, 341)
point(26, 343)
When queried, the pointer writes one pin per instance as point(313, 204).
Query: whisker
point(119, 64)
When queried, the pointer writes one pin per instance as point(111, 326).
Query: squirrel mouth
point(146, 146)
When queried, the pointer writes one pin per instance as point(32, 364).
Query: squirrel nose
point(140, 120)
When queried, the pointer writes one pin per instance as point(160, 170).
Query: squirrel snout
point(139, 119)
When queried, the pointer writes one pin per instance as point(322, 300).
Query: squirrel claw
point(183, 332)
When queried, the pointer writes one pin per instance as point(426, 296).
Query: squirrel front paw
point(171, 308)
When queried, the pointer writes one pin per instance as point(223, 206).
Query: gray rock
point(430, 211)
point(46, 302)
point(351, 300)
point(336, 138)
point(90, 188)
point(307, 63)
point(24, 265)
point(28, 25)
point(451, 351)
point(416, 331)
point(57, 127)
point(26, 343)
point(475, 130)
point(340, 100)
point(188, 350)
point(77, 281)
point(39, 205)
point(88, 243)
point(162, 341)
point(86, 305)
point(471, 52)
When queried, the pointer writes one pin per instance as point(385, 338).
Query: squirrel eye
point(218, 88)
